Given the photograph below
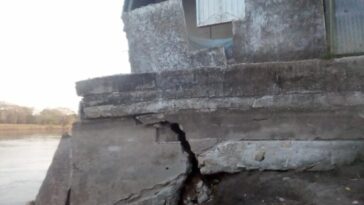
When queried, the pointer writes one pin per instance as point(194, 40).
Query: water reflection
point(24, 160)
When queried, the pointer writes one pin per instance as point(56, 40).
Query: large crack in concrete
point(186, 147)
point(196, 189)
point(68, 199)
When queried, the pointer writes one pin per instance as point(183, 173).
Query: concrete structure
point(270, 31)
point(56, 188)
point(205, 104)
point(120, 162)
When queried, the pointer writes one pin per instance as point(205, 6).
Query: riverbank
point(9, 129)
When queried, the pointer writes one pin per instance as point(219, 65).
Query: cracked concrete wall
point(206, 129)
point(119, 161)
point(303, 100)
point(166, 138)
point(170, 132)
point(272, 30)
point(149, 160)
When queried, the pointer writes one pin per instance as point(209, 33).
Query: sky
point(48, 45)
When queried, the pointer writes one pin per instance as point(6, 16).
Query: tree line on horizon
point(15, 114)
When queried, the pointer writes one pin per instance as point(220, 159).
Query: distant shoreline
point(33, 128)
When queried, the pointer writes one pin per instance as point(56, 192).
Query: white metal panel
point(348, 35)
point(211, 12)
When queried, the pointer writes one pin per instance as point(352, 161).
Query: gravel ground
point(343, 186)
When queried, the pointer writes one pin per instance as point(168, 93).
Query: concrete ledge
point(311, 84)
point(293, 102)
point(236, 156)
point(120, 161)
point(345, 74)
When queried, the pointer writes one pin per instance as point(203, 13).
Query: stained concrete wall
point(283, 30)
point(280, 30)
point(158, 40)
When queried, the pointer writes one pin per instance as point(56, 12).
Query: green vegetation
point(15, 114)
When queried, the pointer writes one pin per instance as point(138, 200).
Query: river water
point(24, 160)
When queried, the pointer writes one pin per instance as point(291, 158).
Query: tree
point(14, 114)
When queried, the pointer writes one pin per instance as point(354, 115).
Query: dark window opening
point(218, 35)
point(130, 5)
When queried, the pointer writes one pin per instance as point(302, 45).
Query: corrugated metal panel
point(348, 31)
point(211, 12)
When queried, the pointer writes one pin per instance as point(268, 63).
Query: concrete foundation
point(56, 188)
point(166, 138)
point(122, 162)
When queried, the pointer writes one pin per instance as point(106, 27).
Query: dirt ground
point(343, 186)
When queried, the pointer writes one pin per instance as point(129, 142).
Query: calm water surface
point(24, 161)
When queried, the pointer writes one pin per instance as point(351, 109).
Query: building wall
point(280, 30)
point(157, 39)
point(160, 34)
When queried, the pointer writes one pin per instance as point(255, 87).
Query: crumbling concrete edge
point(309, 155)
point(280, 155)
point(56, 187)
point(193, 186)
point(230, 157)
point(292, 102)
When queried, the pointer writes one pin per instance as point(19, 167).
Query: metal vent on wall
point(210, 12)
point(346, 26)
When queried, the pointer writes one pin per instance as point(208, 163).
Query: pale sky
point(48, 45)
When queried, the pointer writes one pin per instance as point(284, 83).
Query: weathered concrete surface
point(237, 156)
point(337, 187)
point(313, 84)
point(206, 129)
point(271, 31)
point(56, 185)
point(255, 79)
point(158, 40)
point(165, 138)
point(293, 102)
point(280, 30)
point(119, 161)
